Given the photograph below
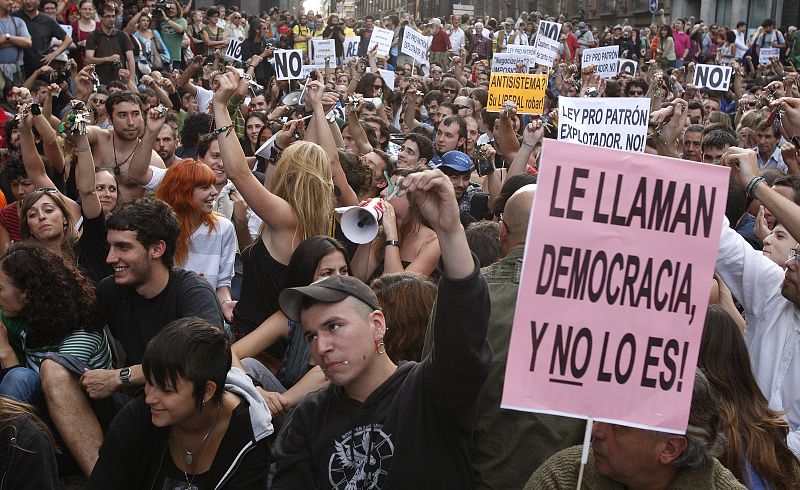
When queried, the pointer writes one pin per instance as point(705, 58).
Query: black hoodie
point(415, 427)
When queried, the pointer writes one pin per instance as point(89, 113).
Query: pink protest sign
point(618, 267)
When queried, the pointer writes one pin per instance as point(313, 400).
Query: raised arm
point(273, 210)
point(315, 93)
point(52, 150)
point(85, 178)
point(139, 170)
point(356, 131)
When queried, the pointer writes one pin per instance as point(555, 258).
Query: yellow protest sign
point(527, 91)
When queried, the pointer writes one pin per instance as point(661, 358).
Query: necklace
point(117, 165)
point(188, 457)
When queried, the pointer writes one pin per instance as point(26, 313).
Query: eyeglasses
point(47, 190)
point(449, 90)
point(508, 228)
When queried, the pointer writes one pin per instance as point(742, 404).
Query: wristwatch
point(125, 376)
point(8, 36)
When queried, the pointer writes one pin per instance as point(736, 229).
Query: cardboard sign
point(351, 47)
point(288, 64)
point(714, 77)
point(550, 30)
point(388, 77)
point(321, 49)
point(527, 91)
point(546, 51)
point(233, 51)
point(627, 67)
point(415, 45)
point(507, 63)
point(618, 264)
point(606, 59)
point(307, 69)
point(382, 38)
point(613, 122)
point(764, 54)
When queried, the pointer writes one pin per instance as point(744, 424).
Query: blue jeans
point(22, 384)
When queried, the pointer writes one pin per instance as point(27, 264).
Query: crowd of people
point(182, 307)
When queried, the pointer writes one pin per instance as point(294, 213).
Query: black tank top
point(262, 282)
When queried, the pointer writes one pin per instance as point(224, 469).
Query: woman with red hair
point(207, 241)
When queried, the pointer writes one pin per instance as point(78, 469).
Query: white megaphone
point(360, 223)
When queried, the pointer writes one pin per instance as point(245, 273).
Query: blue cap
point(457, 160)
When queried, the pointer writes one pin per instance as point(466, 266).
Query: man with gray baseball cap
point(380, 425)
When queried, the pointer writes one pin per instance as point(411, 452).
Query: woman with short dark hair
point(201, 423)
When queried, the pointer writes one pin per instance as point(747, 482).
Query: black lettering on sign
point(713, 77)
point(288, 64)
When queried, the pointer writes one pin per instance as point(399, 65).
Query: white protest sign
point(521, 49)
point(323, 48)
point(764, 54)
point(351, 47)
point(627, 67)
point(309, 68)
point(388, 77)
point(507, 63)
point(714, 77)
point(613, 122)
point(415, 45)
point(234, 51)
point(546, 51)
point(550, 30)
point(606, 59)
point(382, 38)
point(67, 28)
point(288, 64)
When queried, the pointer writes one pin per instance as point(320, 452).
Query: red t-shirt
point(9, 219)
point(440, 41)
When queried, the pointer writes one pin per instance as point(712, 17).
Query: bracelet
point(226, 301)
point(392, 243)
point(83, 150)
point(221, 130)
point(751, 187)
point(526, 144)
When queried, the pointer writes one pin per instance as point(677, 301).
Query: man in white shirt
point(741, 39)
point(458, 40)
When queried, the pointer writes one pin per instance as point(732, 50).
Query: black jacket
point(27, 460)
point(414, 430)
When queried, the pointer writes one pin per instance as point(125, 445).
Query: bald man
point(507, 444)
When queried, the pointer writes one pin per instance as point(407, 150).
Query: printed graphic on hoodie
point(361, 459)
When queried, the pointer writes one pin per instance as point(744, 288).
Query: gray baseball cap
point(328, 290)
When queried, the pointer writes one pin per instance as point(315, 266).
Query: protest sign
point(323, 48)
point(613, 122)
point(415, 45)
point(521, 49)
point(614, 289)
point(550, 30)
point(546, 51)
point(714, 77)
point(233, 51)
point(288, 64)
point(527, 91)
point(67, 28)
point(627, 67)
point(388, 77)
point(507, 63)
point(606, 59)
point(382, 38)
point(309, 68)
point(764, 54)
point(351, 47)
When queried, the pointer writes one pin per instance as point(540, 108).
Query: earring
point(380, 347)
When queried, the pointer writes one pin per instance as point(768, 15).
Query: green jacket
point(508, 445)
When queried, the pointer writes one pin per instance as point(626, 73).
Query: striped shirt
point(90, 347)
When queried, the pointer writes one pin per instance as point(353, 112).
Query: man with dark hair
point(483, 238)
point(741, 40)
point(194, 126)
point(472, 200)
point(166, 143)
point(636, 87)
point(768, 153)
point(451, 134)
point(691, 143)
point(417, 149)
point(695, 112)
point(380, 425)
point(365, 33)
point(42, 30)
point(144, 294)
point(108, 48)
point(715, 144)
point(771, 37)
point(113, 148)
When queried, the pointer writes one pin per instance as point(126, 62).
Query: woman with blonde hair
point(207, 240)
point(296, 203)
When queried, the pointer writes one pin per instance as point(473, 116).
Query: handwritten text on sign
point(414, 45)
point(546, 51)
point(382, 38)
point(606, 59)
point(765, 54)
point(618, 266)
point(507, 63)
point(323, 48)
point(714, 77)
point(527, 91)
point(612, 122)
